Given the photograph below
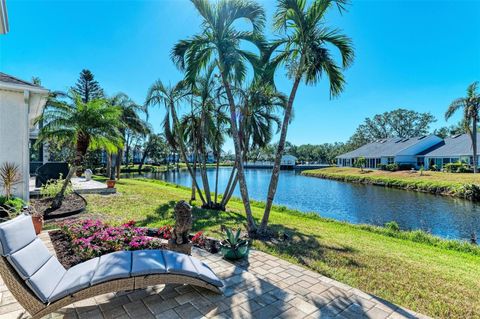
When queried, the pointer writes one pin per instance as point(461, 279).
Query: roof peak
point(6, 78)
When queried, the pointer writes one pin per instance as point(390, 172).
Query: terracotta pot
point(111, 183)
point(37, 224)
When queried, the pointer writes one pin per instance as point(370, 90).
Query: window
point(445, 161)
point(390, 160)
point(420, 161)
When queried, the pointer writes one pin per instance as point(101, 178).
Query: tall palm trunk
point(194, 191)
point(216, 179)
point(183, 153)
point(203, 170)
point(252, 227)
point(474, 145)
point(278, 157)
point(230, 185)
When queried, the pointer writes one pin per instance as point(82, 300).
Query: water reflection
point(355, 203)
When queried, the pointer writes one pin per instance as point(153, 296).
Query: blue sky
point(413, 54)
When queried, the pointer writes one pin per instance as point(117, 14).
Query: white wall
point(14, 134)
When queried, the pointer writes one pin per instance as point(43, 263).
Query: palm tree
point(219, 44)
point(169, 96)
point(471, 111)
point(133, 124)
point(91, 125)
point(306, 51)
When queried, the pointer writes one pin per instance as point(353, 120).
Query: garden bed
point(73, 204)
point(79, 240)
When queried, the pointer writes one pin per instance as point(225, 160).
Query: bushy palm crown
point(92, 125)
point(307, 42)
point(130, 117)
point(219, 42)
point(470, 105)
point(257, 109)
point(169, 96)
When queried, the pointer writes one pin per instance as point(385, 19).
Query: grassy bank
point(449, 184)
point(430, 277)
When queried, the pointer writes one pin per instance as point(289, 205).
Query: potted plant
point(37, 219)
point(233, 247)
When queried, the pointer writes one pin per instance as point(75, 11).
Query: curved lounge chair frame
point(38, 309)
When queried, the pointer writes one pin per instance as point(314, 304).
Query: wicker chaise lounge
point(42, 285)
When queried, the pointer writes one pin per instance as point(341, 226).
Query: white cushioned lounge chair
point(42, 285)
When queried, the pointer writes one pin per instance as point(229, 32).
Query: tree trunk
point(224, 201)
point(474, 145)
point(183, 152)
point(109, 165)
point(278, 158)
point(203, 166)
point(118, 163)
point(194, 191)
point(82, 147)
point(142, 161)
point(252, 227)
point(58, 200)
point(113, 159)
point(216, 179)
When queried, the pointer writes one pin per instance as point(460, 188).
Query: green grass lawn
point(454, 184)
point(430, 279)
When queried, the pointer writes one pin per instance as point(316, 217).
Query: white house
point(391, 150)
point(451, 150)
point(20, 103)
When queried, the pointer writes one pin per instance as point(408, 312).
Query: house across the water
point(451, 150)
point(419, 151)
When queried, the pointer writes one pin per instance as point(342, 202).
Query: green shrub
point(382, 167)
point(458, 167)
point(12, 206)
point(392, 167)
point(54, 186)
point(393, 226)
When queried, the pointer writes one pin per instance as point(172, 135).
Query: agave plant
point(9, 176)
point(233, 246)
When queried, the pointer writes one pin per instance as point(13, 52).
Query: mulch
point(71, 205)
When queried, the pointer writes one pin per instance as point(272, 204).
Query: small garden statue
point(183, 224)
point(88, 174)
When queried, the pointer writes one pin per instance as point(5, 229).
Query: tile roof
point(13, 80)
point(457, 145)
point(383, 148)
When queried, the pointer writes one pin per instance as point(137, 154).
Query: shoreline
point(468, 191)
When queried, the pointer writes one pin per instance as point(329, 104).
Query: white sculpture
point(88, 174)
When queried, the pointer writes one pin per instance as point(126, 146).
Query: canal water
point(355, 203)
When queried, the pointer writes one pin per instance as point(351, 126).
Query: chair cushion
point(179, 264)
point(16, 234)
point(44, 281)
point(147, 262)
point(205, 273)
point(113, 266)
point(30, 258)
point(75, 279)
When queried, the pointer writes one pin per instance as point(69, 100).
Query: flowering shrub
point(165, 232)
point(92, 238)
point(199, 239)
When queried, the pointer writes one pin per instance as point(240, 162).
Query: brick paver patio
point(262, 287)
